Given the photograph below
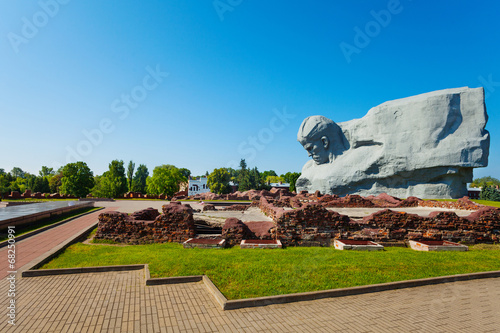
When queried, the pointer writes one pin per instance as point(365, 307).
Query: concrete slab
point(437, 246)
point(261, 244)
point(358, 245)
point(204, 243)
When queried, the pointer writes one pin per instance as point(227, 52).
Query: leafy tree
point(46, 172)
point(185, 172)
point(291, 178)
point(139, 181)
point(233, 174)
point(55, 182)
point(165, 180)
point(104, 186)
point(112, 183)
point(41, 184)
point(77, 179)
point(274, 179)
point(17, 172)
point(218, 181)
point(490, 193)
point(4, 184)
point(97, 191)
point(255, 180)
point(30, 181)
point(485, 181)
point(265, 174)
point(244, 182)
point(130, 174)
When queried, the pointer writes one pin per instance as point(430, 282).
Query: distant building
point(473, 192)
point(234, 186)
point(198, 186)
point(280, 185)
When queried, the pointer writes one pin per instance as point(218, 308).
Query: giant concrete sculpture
point(424, 146)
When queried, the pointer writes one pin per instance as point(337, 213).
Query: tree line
point(489, 188)
point(78, 179)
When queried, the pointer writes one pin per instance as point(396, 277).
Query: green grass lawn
point(21, 230)
point(243, 273)
point(488, 203)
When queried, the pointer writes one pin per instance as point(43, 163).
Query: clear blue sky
point(201, 86)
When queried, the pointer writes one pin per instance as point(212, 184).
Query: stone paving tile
point(120, 302)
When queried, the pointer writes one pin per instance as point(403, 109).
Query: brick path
point(33, 247)
point(120, 302)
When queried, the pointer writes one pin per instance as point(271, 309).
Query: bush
point(490, 193)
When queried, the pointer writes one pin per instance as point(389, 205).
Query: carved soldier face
point(317, 149)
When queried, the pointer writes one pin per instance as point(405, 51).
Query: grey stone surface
point(424, 145)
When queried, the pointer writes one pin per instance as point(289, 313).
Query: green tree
point(265, 174)
point(112, 183)
point(291, 178)
point(244, 183)
point(139, 181)
point(255, 180)
point(165, 180)
point(104, 186)
point(41, 184)
point(490, 193)
point(97, 191)
point(485, 181)
point(274, 179)
point(17, 172)
point(4, 184)
point(46, 172)
point(77, 179)
point(55, 182)
point(185, 172)
point(130, 174)
point(218, 181)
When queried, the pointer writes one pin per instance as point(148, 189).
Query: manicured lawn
point(244, 273)
point(488, 203)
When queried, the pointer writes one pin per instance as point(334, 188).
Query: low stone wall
point(482, 226)
point(310, 225)
point(236, 208)
point(234, 230)
point(176, 224)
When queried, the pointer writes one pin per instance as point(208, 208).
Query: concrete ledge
point(79, 270)
point(215, 292)
point(173, 280)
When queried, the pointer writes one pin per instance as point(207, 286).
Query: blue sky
point(202, 84)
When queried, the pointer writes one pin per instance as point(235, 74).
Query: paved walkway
point(33, 247)
point(120, 302)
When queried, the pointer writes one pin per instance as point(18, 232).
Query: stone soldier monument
point(424, 146)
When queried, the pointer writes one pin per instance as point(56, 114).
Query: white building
point(198, 186)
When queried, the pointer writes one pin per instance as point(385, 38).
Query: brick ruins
point(305, 220)
point(176, 224)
